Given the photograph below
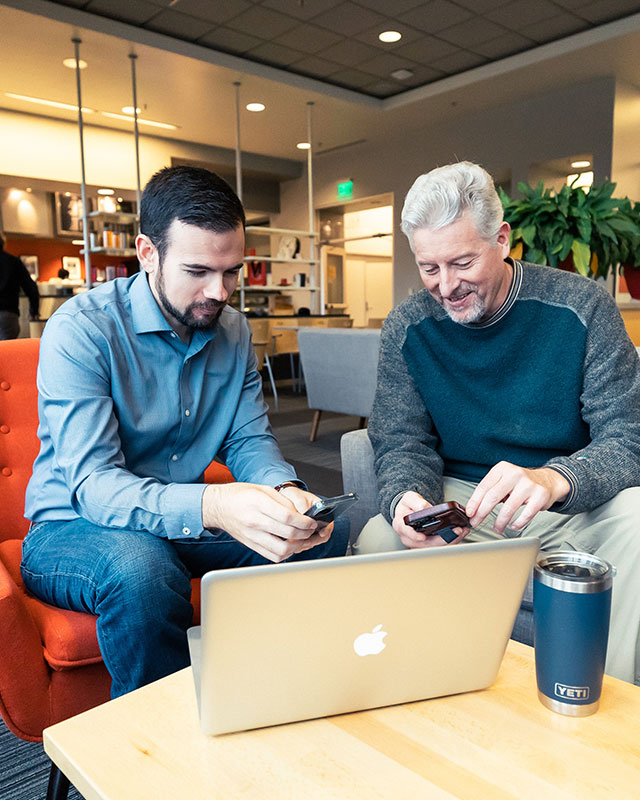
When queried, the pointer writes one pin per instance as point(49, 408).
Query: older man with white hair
point(513, 389)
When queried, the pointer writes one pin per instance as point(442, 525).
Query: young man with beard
point(512, 389)
point(142, 382)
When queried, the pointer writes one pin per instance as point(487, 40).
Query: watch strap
point(284, 485)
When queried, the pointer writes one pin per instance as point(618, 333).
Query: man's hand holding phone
point(441, 517)
point(272, 523)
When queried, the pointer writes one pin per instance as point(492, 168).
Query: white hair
point(441, 196)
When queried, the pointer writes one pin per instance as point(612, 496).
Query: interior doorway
point(357, 259)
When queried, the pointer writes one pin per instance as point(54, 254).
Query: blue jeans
point(138, 586)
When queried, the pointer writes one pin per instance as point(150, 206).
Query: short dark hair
point(192, 195)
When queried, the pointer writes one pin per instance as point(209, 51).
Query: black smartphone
point(440, 519)
point(331, 507)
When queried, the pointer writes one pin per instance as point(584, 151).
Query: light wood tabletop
point(497, 743)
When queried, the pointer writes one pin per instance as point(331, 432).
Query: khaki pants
point(611, 531)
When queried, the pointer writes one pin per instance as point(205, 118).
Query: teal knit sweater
point(551, 379)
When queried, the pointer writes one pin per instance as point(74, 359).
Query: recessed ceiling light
point(120, 199)
point(29, 189)
point(129, 110)
point(402, 74)
point(580, 164)
point(255, 107)
point(141, 121)
point(390, 36)
point(71, 63)
point(67, 194)
point(42, 102)
point(106, 191)
point(303, 146)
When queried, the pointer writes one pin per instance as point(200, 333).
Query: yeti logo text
point(571, 692)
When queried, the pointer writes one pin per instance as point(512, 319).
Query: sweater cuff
point(569, 476)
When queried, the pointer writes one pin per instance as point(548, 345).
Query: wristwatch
point(287, 483)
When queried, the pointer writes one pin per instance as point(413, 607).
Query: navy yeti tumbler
point(571, 610)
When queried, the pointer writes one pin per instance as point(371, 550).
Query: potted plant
point(630, 249)
point(585, 228)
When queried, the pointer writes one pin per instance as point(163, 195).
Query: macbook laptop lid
point(288, 642)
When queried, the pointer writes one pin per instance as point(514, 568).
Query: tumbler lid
point(572, 571)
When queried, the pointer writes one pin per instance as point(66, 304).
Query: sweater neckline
point(510, 299)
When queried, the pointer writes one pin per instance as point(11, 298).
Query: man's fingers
point(486, 492)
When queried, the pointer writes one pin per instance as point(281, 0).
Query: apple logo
point(370, 644)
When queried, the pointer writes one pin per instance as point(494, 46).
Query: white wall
point(626, 151)
point(504, 139)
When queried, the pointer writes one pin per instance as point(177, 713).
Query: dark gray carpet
point(24, 767)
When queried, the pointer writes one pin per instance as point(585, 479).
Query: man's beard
point(474, 313)
point(187, 317)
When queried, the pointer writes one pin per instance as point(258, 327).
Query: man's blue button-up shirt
point(130, 416)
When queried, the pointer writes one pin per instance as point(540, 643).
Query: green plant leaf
point(581, 257)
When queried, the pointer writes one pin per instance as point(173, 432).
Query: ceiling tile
point(220, 11)
point(435, 15)
point(606, 10)
point(505, 45)
point(572, 5)
point(316, 67)
point(426, 49)
point(305, 10)
point(352, 78)
point(384, 64)
point(472, 32)
point(554, 28)
point(481, 6)
point(124, 10)
point(229, 40)
point(390, 8)
point(308, 38)
point(348, 53)
point(348, 19)
point(519, 13)
point(458, 62)
point(421, 76)
point(275, 54)
point(174, 23)
point(383, 89)
point(263, 22)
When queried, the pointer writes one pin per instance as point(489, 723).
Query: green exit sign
point(345, 190)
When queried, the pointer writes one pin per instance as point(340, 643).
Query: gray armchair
point(340, 370)
point(358, 475)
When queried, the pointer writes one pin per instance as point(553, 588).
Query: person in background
point(13, 277)
point(513, 389)
point(142, 381)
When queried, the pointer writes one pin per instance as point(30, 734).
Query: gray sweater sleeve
point(610, 400)
point(400, 429)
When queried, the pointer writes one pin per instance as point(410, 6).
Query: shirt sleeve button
point(186, 531)
point(174, 458)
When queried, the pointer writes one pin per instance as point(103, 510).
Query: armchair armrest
point(358, 476)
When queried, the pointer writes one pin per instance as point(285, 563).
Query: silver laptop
point(290, 642)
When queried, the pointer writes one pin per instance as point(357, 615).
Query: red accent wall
point(50, 252)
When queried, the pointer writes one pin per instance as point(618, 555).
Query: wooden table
point(498, 743)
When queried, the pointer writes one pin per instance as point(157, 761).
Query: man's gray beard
point(474, 314)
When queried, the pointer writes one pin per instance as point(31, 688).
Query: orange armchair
point(50, 662)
